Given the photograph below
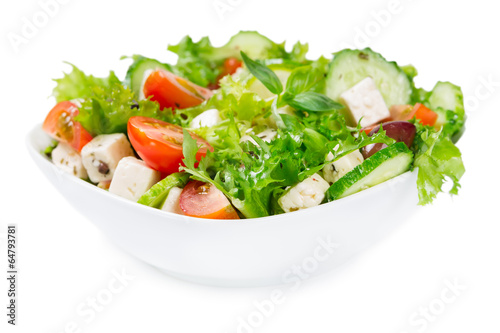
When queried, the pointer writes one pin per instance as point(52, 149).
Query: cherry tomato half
point(228, 68)
point(60, 125)
point(159, 143)
point(172, 91)
point(231, 65)
point(203, 200)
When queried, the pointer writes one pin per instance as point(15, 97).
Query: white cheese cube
point(207, 118)
point(69, 160)
point(266, 135)
point(133, 178)
point(306, 194)
point(333, 171)
point(171, 203)
point(101, 155)
point(365, 102)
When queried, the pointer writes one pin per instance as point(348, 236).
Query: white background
point(64, 259)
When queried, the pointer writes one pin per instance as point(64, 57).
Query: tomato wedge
point(406, 112)
point(204, 200)
point(60, 125)
point(172, 91)
point(425, 115)
point(159, 143)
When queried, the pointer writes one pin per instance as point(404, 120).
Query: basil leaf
point(313, 101)
point(263, 74)
point(302, 79)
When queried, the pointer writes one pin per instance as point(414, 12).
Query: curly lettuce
point(254, 176)
point(437, 160)
point(76, 84)
point(202, 63)
point(106, 104)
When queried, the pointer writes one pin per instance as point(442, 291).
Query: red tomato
point(203, 200)
point(159, 143)
point(419, 111)
point(60, 125)
point(425, 115)
point(231, 65)
point(171, 91)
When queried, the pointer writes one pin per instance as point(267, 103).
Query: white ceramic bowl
point(250, 252)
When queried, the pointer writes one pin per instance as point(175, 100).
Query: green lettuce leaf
point(202, 63)
point(437, 160)
point(298, 53)
point(108, 110)
point(194, 62)
point(106, 104)
point(253, 176)
point(77, 84)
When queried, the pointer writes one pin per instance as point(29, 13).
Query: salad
point(250, 129)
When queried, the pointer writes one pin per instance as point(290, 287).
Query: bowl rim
point(39, 157)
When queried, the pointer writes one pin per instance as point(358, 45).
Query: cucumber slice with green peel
point(383, 165)
point(156, 195)
point(135, 73)
point(349, 67)
point(447, 100)
point(255, 46)
point(448, 96)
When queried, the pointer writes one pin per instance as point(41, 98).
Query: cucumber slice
point(135, 73)
point(448, 96)
point(349, 67)
point(383, 165)
point(447, 100)
point(255, 45)
point(156, 195)
point(252, 43)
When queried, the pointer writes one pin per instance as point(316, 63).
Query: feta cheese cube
point(306, 194)
point(171, 203)
point(207, 118)
point(133, 178)
point(365, 102)
point(266, 135)
point(333, 171)
point(101, 155)
point(69, 160)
